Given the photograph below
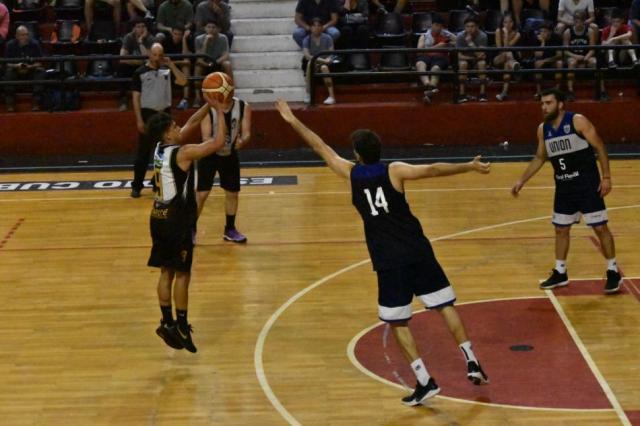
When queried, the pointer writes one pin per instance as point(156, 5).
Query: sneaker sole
point(168, 342)
point(549, 287)
point(478, 379)
point(613, 290)
point(429, 394)
point(224, 237)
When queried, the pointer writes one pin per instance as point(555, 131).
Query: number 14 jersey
point(394, 235)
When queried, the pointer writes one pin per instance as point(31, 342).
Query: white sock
point(467, 351)
point(420, 371)
point(611, 264)
point(561, 266)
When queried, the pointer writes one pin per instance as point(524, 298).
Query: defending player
point(568, 140)
point(401, 254)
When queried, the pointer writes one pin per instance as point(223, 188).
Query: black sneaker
point(184, 336)
point(169, 334)
point(483, 98)
point(614, 279)
point(555, 280)
point(462, 99)
point(421, 393)
point(475, 374)
point(135, 193)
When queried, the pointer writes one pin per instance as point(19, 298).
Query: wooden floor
point(273, 319)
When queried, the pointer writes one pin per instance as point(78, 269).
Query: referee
point(151, 94)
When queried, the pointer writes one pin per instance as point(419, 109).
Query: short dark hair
point(436, 18)
point(316, 20)
point(137, 20)
point(181, 29)
point(558, 94)
point(547, 25)
point(212, 21)
point(157, 125)
point(471, 18)
point(366, 143)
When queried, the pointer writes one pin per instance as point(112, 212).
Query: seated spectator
point(397, 8)
point(354, 24)
point(176, 45)
point(214, 44)
point(173, 14)
point(567, 10)
point(618, 33)
point(634, 18)
point(436, 37)
point(472, 36)
point(518, 5)
point(506, 36)
point(306, 10)
point(26, 67)
point(316, 42)
point(547, 58)
point(578, 35)
point(137, 42)
point(142, 6)
point(5, 19)
point(89, 5)
point(214, 10)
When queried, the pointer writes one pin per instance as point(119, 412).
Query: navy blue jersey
point(394, 235)
point(572, 157)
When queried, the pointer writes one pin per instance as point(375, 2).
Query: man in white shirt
point(568, 8)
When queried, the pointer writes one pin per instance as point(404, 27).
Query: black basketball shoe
point(184, 336)
point(614, 279)
point(555, 280)
point(169, 334)
point(421, 393)
point(475, 374)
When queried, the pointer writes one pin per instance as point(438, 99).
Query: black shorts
point(431, 61)
point(396, 288)
point(228, 167)
point(172, 243)
point(568, 206)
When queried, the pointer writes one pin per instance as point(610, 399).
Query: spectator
point(398, 8)
point(634, 18)
point(567, 10)
point(5, 19)
point(518, 5)
point(306, 10)
point(578, 35)
point(174, 14)
point(215, 45)
point(506, 36)
point(176, 45)
point(436, 37)
point(472, 36)
point(214, 10)
point(354, 24)
point(134, 5)
point(88, 13)
point(317, 41)
point(547, 58)
point(151, 85)
point(25, 50)
point(618, 33)
point(137, 42)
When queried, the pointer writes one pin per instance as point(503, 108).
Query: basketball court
point(286, 325)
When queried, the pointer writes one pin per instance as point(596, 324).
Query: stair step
point(252, 79)
point(263, 26)
point(263, 9)
point(291, 94)
point(268, 43)
point(266, 60)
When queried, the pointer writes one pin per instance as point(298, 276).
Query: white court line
point(259, 349)
point(352, 357)
point(587, 357)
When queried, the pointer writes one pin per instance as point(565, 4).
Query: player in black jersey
point(400, 253)
point(568, 140)
point(174, 214)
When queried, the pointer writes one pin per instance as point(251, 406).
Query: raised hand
point(479, 166)
point(283, 108)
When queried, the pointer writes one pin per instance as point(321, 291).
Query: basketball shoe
point(421, 393)
point(169, 334)
point(475, 374)
point(184, 337)
point(614, 279)
point(555, 280)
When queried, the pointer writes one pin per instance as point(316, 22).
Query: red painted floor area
point(553, 374)
point(634, 417)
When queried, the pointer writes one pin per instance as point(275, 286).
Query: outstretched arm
point(336, 163)
point(195, 119)
point(188, 153)
point(588, 130)
point(534, 165)
point(399, 171)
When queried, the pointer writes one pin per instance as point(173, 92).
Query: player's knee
point(601, 229)
point(562, 231)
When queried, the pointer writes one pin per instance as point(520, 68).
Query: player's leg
point(181, 299)
point(230, 182)
point(167, 329)
point(566, 212)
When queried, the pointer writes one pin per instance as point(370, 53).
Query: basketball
point(219, 86)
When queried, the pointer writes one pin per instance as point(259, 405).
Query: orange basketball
point(218, 85)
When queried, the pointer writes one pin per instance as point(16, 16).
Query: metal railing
point(454, 70)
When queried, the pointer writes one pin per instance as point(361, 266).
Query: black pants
point(145, 147)
point(12, 74)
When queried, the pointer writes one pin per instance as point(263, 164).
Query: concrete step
point(266, 60)
point(268, 43)
point(263, 26)
point(242, 9)
point(291, 94)
point(252, 79)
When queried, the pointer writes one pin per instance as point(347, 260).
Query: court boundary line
point(354, 341)
point(587, 357)
point(262, 336)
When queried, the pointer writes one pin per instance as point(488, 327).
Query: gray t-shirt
point(216, 48)
point(480, 40)
point(324, 43)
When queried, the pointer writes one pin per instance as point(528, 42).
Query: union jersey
point(175, 196)
point(394, 235)
point(572, 157)
point(233, 120)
